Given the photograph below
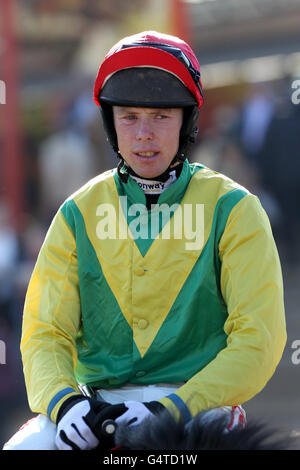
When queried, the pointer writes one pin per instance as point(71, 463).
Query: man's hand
point(73, 432)
point(136, 412)
point(79, 423)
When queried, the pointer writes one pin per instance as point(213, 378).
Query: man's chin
point(149, 173)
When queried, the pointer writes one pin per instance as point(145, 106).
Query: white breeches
point(39, 433)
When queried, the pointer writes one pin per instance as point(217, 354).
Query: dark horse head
point(163, 432)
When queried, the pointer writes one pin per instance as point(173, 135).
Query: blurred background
point(51, 140)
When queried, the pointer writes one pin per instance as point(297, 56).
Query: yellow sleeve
point(51, 321)
point(252, 287)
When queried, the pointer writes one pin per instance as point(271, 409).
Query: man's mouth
point(146, 154)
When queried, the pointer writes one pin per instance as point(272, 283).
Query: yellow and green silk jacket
point(107, 308)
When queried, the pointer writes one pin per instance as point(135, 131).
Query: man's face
point(148, 138)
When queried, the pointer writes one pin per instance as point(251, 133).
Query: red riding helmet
point(154, 70)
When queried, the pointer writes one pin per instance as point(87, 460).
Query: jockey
point(130, 304)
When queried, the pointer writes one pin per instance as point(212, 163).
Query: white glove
point(136, 413)
point(72, 427)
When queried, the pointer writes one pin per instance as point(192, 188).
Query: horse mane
point(164, 432)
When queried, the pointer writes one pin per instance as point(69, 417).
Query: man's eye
point(130, 117)
point(161, 116)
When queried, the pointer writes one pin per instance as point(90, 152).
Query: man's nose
point(144, 130)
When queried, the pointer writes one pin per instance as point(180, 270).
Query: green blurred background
point(51, 140)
